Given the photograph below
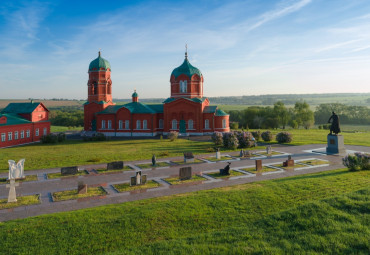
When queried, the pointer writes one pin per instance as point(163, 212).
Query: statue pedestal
point(335, 144)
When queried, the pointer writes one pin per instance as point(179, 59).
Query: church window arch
point(223, 123)
point(160, 124)
point(145, 124)
point(127, 124)
point(190, 124)
point(103, 124)
point(120, 124)
point(138, 124)
point(206, 124)
point(174, 124)
point(183, 86)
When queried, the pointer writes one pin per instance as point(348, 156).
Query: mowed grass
point(73, 194)
point(319, 213)
point(28, 178)
point(72, 152)
point(21, 201)
point(124, 187)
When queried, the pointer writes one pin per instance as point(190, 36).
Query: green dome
point(187, 69)
point(134, 94)
point(99, 63)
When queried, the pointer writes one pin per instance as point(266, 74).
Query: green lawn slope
point(325, 212)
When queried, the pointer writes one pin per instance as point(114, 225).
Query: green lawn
point(176, 180)
point(314, 162)
point(214, 159)
point(323, 213)
point(21, 201)
point(218, 175)
point(59, 175)
point(124, 187)
point(64, 129)
point(72, 194)
point(71, 153)
point(181, 162)
point(28, 178)
point(265, 153)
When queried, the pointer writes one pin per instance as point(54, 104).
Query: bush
point(267, 136)
point(234, 125)
point(284, 137)
point(95, 137)
point(173, 135)
point(256, 135)
point(61, 137)
point(50, 138)
point(320, 126)
point(359, 161)
point(217, 138)
point(230, 140)
point(245, 139)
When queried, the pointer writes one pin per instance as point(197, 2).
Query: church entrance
point(182, 126)
point(93, 125)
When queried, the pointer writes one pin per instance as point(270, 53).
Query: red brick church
point(185, 111)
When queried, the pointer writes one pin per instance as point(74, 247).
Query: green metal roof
point(21, 107)
point(210, 109)
point(187, 69)
point(13, 120)
point(220, 112)
point(134, 107)
point(195, 99)
point(100, 102)
point(99, 63)
point(135, 94)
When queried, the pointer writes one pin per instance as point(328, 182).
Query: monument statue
point(334, 120)
point(16, 171)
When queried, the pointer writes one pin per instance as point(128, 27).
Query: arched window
point(109, 124)
point(206, 124)
point(138, 124)
point(127, 124)
point(103, 124)
point(174, 124)
point(190, 124)
point(160, 123)
point(120, 124)
point(145, 124)
point(183, 86)
point(223, 123)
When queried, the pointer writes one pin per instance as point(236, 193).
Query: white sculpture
point(16, 171)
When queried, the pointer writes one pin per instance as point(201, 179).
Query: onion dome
point(186, 68)
point(99, 63)
point(135, 94)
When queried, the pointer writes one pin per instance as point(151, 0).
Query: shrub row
point(359, 161)
point(53, 138)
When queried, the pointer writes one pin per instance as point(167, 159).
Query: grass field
point(74, 152)
point(21, 201)
point(218, 175)
point(54, 129)
point(28, 178)
point(326, 213)
point(73, 194)
point(124, 187)
point(59, 175)
point(176, 180)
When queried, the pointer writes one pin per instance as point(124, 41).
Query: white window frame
point(15, 135)
point(102, 124)
point(190, 124)
point(109, 124)
point(127, 124)
point(45, 131)
point(28, 133)
point(10, 136)
point(3, 137)
point(223, 123)
point(160, 124)
point(22, 134)
point(37, 133)
point(174, 124)
point(183, 86)
point(206, 124)
point(138, 124)
point(145, 124)
point(120, 124)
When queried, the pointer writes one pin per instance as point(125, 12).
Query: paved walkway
point(46, 187)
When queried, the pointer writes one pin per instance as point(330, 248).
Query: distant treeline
point(279, 116)
point(67, 116)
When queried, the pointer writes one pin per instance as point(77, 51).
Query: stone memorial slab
point(143, 179)
point(258, 164)
point(188, 157)
point(116, 165)
point(133, 181)
point(138, 179)
point(185, 173)
point(218, 155)
point(81, 188)
point(268, 149)
point(71, 170)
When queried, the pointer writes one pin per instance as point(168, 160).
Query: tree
point(282, 113)
point(303, 115)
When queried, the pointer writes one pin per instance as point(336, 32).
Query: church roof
point(195, 99)
point(210, 109)
point(134, 107)
point(12, 119)
point(21, 107)
point(99, 63)
point(220, 112)
point(187, 69)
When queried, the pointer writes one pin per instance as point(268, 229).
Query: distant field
point(47, 103)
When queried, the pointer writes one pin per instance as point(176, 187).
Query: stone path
point(46, 187)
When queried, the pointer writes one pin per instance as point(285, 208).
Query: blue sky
point(242, 47)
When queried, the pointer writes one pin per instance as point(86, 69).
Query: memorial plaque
point(81, 188)
point(185, 173)
point(188, 157)
point(258, 164)
point(143, 179)
point(116, 165)
point(332, 141)
point(133, 181)
point(69, 170)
